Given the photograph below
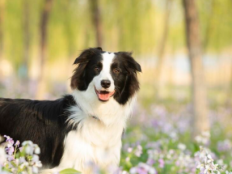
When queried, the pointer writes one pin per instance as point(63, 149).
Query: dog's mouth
point(104, 95)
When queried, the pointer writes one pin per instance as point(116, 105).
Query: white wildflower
point(203, 138)
point(138, 151)
point(181, 146)
point(205, 161)
point(37, 149)
point(129, 149)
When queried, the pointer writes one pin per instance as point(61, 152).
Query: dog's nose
point(105, 83)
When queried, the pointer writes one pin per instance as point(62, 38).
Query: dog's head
point(112, 74)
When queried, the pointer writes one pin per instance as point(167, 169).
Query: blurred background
point(184, 48)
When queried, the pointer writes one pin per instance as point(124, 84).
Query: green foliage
point(136, 29)
point(69, 171)
point(216, 23)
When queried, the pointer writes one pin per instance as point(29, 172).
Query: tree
point(200, 119)
point(161, 49)
point(2, 3)
point(96, 19)
point(45, 14)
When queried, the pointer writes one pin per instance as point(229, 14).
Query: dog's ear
point(131, 63)
point(86, 54)
point(131, 83)
point(135, 65)
point(78, 78)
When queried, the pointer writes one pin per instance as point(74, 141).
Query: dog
point(86, 125)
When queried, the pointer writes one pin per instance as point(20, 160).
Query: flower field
point(159, 141)
point(156, 141)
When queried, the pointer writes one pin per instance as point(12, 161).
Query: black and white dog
point(86, 125)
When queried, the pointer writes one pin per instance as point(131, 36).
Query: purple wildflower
point(17, 143)
point(150, 161)
point(9, 140)
point(10, 150)
point(161, 163)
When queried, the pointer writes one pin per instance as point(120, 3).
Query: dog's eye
point(116, 70)
point(97, 69)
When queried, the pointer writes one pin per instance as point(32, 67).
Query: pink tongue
point(104, 96)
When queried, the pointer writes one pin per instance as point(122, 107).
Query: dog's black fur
point(43, 122)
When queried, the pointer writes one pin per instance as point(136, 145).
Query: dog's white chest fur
point(92, 144)
point(98, 136)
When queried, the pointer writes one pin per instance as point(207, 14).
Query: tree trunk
point(200, 119)
point(160, 55)
point(45, 14)
point(26, 38)
point(2, 3)
point(96, 19)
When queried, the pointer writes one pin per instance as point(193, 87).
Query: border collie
point(85, 126)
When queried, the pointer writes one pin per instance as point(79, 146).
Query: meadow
point(157, 140)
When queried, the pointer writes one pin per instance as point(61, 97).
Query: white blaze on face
point(105, 75)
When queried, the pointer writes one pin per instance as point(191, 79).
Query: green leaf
point(69, 171)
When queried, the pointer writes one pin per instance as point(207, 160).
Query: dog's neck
point(110, 112)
